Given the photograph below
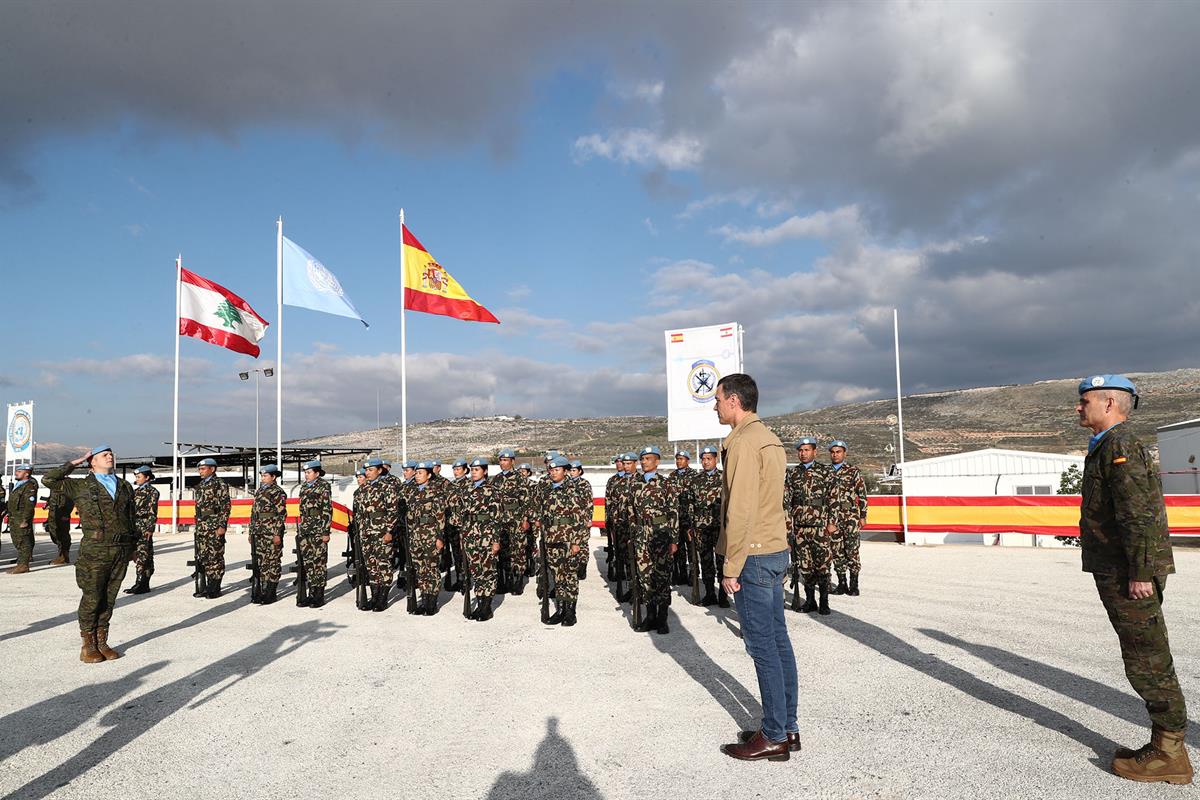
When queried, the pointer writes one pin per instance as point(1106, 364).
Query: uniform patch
point(1120, 460)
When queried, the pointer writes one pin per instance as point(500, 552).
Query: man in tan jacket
point(754, 543)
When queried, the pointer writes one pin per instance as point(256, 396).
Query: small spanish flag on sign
point(430, 288)
point(676, 338)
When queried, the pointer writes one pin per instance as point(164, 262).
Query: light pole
point(258, 373)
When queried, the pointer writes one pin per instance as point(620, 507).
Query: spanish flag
point(429, 288)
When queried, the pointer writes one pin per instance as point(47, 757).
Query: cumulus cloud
point(840, 223)
point(136, 366)
point(642, 147)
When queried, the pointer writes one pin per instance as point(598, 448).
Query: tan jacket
point(752, 518)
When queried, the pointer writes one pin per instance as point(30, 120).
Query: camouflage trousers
point(99, 570)
point(378, 555)
point(452, 554)
point(845, 544)
point(22, 540)
point(1142, 631)
point(706, 552)
point(143, 555)
point(210, 551)
point(423, 551)
point(654, 563)
point(811, 549)
point(515, 544)
point(315, 554)
point(563, 565)
point(482, 561)
point(269, 556)
point(58, 526)
point(583, 539)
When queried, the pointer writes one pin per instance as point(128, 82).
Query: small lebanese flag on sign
point(726, 331)
point(211, 312)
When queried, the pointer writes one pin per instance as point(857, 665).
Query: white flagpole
point(900, 424)
point(176, 480)
point(403, 352)
point(279, 343)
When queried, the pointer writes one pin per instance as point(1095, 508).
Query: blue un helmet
point(838, 443)
point(507, 452)
point(462, 462)
point(373, 462)
point(803, 440)
point(650, 450)
point(479, 462)
point(559, 461)
point(425, 465)
point(207, 462)
point(271, 469)
point(144, 469)
point(708, 448)
point(1115, 382)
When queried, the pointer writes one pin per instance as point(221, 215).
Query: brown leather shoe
point(102, 645)
point(758, 748)
point(19, 569)
point(88, 654)
point(793, 739)
point(1164, 759)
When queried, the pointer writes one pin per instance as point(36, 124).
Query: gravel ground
point(960, 672)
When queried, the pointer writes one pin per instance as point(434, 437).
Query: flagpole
point(176, 489)
point(900, 424)
point(279, 343)
point(403, 351)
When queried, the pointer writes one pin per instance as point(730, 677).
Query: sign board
point(696, 359)
point(18, 441)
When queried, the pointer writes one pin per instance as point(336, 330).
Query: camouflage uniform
point(105, 546)
point(268, 516)
point(848, 509)
point(1124, 537)
point(555, 510)
point(316, 514)
point(453, 551)
point(58, 521)
point(654, 513)
point(513, 490)
point(624, 498)
point(705, 514)
point(397, 491)
point(212, 514)
point(684, 478)
point(612, 528)
point(806, 497)
point(582, 488)
point(145, 520)
point(22, 501)
point(378, 508)
point(476, 514)
point(426, 520)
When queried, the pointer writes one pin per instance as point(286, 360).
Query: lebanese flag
point(429, 288)
point(211, 312)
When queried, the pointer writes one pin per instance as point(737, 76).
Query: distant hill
point(1037, 416)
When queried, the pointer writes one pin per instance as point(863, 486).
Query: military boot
point(214, 588)
point(102, 645)
point(710, 597)
point(842, 584)
point(88, 654)
point(19, 569)
point(431, 604)
point(568, 618)
point(661, 622)
point(581, 572)
point(140, 586)
point(485, 610)
point(518, 587)
point(557, 616)
point(381, 597)
point(853, 591)
point(649, 618)
point(201, 587)
point(722, 597)
point(316, 597)
point(823, 606)
point(61, 558)
point(1164, 759)
point(269, 593)
point(810, 602)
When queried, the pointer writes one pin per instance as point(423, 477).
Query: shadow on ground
point(555, 773)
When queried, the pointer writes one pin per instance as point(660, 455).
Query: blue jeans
point(764, 630)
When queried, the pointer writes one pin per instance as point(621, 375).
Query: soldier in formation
point(613, 565)
point(848, 512)
point(268, 518)
point(513, 490)
point(378, 508)
point(705, 518)
point(654, 521)
point(22, 502)
point(556, 516)
point(145, 522)
point(807, 490)
point(682, 476)
point(312, 531)
point(583, 493)
point(477, 515)
point(426, 522)
point(452, 554)
point(212, 519)
point(58, 526)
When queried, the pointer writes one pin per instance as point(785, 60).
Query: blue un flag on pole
point(307, 283)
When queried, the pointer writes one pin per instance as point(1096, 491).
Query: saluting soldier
point(22, 502)
point(612, 529)
point(683, 475)
point(106, 510)
point(514, 525)
point(268, 519)
point(145, 521)
point(426, 522)
point(807, 490)
point(848, 509)
point(583, 532)
point(212, 519)
point(655, 521)
point(705, 516)
point(378, 507)
point(58, 526)
point(556, 512)
point(477, 515)
point(312, 531)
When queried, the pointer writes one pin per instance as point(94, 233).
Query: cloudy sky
point(1020, 180)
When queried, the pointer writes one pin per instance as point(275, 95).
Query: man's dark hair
point(743, 387)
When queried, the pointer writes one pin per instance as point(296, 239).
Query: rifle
point(634, 584)
point(544, 576)
point(694, 564)
point(301, 577)
point(617, 568)
point(198, 575)
point(410, 575)
point(795, 573)
point(465, 579)
point(255, 579)
point(356, 566)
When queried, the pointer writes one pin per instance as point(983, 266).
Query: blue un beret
point(708, 448)
point(95, 451)
point(559, 461)
point(1107, 382)
point(386, 463)
point(575, 464)
point(649, 450)
point(806, 440)
point(20, 467)
point(838, 443)
point(208, 462)
point(373, 462)
point(360, 471)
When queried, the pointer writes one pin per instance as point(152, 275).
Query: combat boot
point(381, 597)
point(431, 604)
point(140, 586)
point(557, 616)
point(722, 597)
point(569, 615)
point(649, 618)
point(853, 591)
point(19, 569)
point(661, 623)
point(59, 559)
point(1164, 759)
point(88, 654)
point(102, 645)
point(810, 602)
point(710, 596)
point(269, 593)
point(316, 597)
point(842, 584)
point(518, 587)
point(823, 606)
point(581, 572)
point(485, 610)
point(214, 588)
point(626, 596)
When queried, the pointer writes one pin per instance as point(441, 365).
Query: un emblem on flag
point(322, 279)
point(702, 380)
point(20, 429)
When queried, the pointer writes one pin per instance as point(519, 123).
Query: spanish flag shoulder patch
point(1120, 460)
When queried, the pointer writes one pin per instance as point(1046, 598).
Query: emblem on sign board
point(702, 380)
point(20, 429)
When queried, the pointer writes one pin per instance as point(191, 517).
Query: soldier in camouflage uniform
point(1127, 547)
point(312, 531)
point(612, 549)
point(477, 515)
point(624, 499)
point(654, 506)
point(145, 520)
point(398, 491)
point(212, 518)
point(525, 471)
point(426, 523)
point(848, 509)
point(807, 490)
point(453, 553)
point(378, 507)
point(106, 514)
point(58, 526)
point(268, 517)
point(583, 490)
point(556, 512)
point(22, 501)
point(514, 525)
point(683, 475)
point(705, 516)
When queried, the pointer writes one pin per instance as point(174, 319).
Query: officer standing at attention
point(22, 501)
point(105, 505)
point(1126, 546)
point(268, 517)
point(806, 494)
point(848, 509)
point(145, 520)
point(654, 509)
point(212, 518)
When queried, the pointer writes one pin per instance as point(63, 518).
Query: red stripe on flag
point(205, 283)
point(411, 241)
point(467, 310)
point(230, 341)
